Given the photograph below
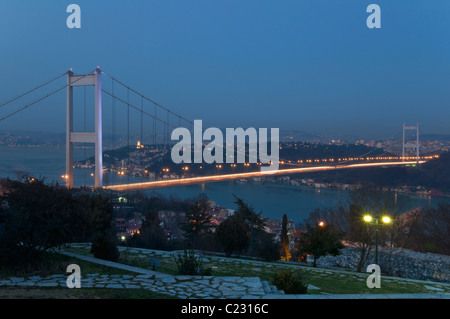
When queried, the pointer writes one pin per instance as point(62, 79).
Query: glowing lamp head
point(321, 223)
point(367, 218)
point(386, 220)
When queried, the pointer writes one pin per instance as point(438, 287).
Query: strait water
point(270, 198)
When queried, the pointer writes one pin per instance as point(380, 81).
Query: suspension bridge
point(148, 121)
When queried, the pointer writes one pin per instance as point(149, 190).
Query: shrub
point(291, 282)
point(105, 248)
point(17, 259)
point(188, 264)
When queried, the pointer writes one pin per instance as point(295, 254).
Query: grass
point(328, 280)
point(56, 264)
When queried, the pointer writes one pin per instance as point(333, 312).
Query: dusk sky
point(300, 64)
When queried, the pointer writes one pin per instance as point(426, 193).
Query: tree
point(337, 216)
point(151, 235)
point(37, 217)
point(427, 230)
point(248, 215)
point(284, 240)
point(99, 210)
point(232, 235)
point(265, 246)
point(360, 234)
point(198, 221)
point(253, 221)
point(320, 241)
point(40, 216)
point(366, 200)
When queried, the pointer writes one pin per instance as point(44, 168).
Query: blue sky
point(297, 64)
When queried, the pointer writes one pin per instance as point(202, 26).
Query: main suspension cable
point(32, 90)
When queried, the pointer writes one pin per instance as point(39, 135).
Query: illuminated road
point(228, 177)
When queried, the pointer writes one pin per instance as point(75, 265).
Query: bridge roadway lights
point(228, 177)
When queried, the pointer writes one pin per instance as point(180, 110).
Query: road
point(228, 177)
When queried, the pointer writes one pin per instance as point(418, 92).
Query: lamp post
point(375, 220)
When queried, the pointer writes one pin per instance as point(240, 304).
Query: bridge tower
point(84, 137)
point(410, 145)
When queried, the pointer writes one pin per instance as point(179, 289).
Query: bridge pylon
point(408, 145)
point(84, 137)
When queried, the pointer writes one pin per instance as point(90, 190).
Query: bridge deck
point(227, 177)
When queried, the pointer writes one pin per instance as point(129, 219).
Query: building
point(133, 226)
point(121, 227)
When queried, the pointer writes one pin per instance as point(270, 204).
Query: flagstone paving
point(180, 286)
point(200, 287)
point(228, 287)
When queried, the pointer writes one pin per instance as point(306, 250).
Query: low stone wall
point(395, 262)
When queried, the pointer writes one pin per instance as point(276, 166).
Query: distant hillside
point(435, 137)
point(301, 150)
point(433, 174)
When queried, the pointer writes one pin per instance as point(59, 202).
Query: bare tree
point(361, 235)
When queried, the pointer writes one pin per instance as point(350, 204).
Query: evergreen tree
point(248, 215)
point(284, 240)
point(320, 240)
point(253, 221)
point(232, 235)
point(198, 221)
point(150, 235)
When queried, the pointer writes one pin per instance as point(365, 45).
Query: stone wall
point(395, 262)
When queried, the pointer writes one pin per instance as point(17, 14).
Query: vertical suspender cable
point(167, 139)
point(113, 121)
point(84, 144)
point(154, 129)
point(142, 120)
point(128, 136)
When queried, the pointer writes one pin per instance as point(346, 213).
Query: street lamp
point(375, 220)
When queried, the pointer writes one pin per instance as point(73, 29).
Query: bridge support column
point(84, 137)
point(406, 144)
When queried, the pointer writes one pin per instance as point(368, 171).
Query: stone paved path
point(180, 286)
point(201, 287)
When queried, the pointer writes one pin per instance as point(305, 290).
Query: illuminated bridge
point(159, 120)
point(227, 177)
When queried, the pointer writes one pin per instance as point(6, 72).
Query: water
point(272, 199)
point(48, 162)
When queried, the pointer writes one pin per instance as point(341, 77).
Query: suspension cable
point(136, 108)
point(42, 98)
point(143, 96)
point(34, 89)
